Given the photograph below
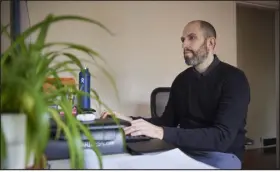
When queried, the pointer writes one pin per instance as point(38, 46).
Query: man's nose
point(185, 44)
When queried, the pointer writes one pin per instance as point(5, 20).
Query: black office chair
point(159, 98)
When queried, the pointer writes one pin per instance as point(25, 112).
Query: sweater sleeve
point(231, 114)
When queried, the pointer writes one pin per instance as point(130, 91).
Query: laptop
point(100, 123)
point(149, 146)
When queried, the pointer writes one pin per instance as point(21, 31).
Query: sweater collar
point(212, 66)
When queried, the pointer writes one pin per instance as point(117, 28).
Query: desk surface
point(163, 160)
point(65, 163)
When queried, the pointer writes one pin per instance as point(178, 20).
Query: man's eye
point(191, 37)
point(182, 39)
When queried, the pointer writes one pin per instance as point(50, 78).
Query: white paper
point(173, 159)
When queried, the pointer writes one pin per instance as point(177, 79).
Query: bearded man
point(206, 112)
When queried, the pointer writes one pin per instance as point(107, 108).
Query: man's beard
point(197, 57)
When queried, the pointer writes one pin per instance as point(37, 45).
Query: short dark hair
point(208, 29)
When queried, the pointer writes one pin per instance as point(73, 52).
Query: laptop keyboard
point(136, 138)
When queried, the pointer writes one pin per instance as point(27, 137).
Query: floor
point(256, 159)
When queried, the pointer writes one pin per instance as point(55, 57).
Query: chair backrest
point(159, 99)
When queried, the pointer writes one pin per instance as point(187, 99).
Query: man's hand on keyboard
point(117, 115)
point(141, 127)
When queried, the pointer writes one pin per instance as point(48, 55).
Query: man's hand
point(117, 115)
point(141, 127)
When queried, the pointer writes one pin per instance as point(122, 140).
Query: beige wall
point(146, 51)
point(256, 56)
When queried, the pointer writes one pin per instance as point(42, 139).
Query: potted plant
point(25, 107)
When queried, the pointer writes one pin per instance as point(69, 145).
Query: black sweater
point(209, 108)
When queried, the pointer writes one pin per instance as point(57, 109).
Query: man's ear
point(211, 43)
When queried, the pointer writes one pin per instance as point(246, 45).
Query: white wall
point(256, 56)
point(146, 51)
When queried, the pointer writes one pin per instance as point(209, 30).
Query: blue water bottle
point(84, 85)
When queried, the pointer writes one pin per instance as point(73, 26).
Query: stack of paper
point(173, 159)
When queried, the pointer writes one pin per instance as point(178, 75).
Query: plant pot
point(14, 129)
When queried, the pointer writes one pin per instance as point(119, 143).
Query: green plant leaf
point(71, 122)
point(24, 71)
point(74, 59)
point(53, 94)
point(62, 64)
point(79, 18)
point(43, 34)
point(68, 135)
point(3, 149)
point(111, 79)
point(38, 128)
point(43, 131)
point(21, 44)
point(92, 143)
point(35, 27)
point(78, 47)
point(5, 32)
point(57, 82)
point(92, 54)
point(116, 120)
